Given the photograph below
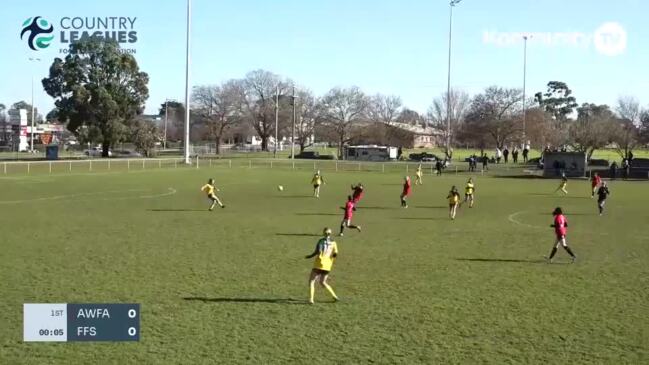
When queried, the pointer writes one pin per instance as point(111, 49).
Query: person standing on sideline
point(326, 250)
point(602, 194)
point(506, 154)
point(499, 155)
point(626, 168)
point(526, 151)
point(613, 171)
point(515, 155)
point(560, 226)
point(485, 162)
point(438, 167)
point(418, 175)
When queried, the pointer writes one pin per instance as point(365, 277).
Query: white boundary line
point(512, 218)
point(170, 191)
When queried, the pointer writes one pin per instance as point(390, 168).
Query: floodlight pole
point(187, 62)
point(276, 118)
point(524, 86)
point(293, 129)
point(452, 4)
point(164, 142)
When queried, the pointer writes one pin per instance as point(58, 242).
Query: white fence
point(126, 165)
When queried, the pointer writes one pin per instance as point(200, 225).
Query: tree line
point(99, 93)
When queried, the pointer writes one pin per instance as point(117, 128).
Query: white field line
point(170, 191)
point(512, 218)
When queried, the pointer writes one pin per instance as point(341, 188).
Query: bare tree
point(438, 111)
point(494, 113)
point(341, 110)
point(384, 108)
point(220, 106)
point(592, 129)
point(259, 102)
point(306, 118)
point(628, 108)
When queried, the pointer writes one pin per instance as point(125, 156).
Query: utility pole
point(524, 86)
point(276, 119)
point(33, 126)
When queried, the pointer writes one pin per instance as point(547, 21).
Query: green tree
point(175, 119)
point(593, 128)
point(97, 90)
point(144, 136)
point(557, 100)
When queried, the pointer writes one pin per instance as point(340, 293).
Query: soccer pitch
point(230, 286)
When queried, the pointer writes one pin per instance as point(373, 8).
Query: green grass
point(415, 286)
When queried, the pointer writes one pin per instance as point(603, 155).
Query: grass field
point(229, 286)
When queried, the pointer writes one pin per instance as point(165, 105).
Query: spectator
point(485, 162)
point(515, 155)
point(629, 156)
point(526, 151)
point(438, 167)
point(626, 168)
point(506, 154)
point(613, 172)
point(499, 155)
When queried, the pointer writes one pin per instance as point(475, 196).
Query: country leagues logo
point(38, 29)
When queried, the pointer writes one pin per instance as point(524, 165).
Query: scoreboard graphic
point(65, 322)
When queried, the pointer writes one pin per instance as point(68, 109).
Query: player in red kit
point(349, 213)
point(407, 188)
point(560, 226)
point(595, 183)
point(357, 194)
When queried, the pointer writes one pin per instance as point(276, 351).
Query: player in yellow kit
point(419, 174)
point(453, 201)
point(325, 252)
point(563, 184)
point(209, 189)
point(317, 181)
point(469, 189)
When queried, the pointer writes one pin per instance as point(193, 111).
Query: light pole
point(187, 61)
point(276, 118)
point(164, 141)
point(452, 4)
point(525, 37)
point(293, 129)
point(32, 134)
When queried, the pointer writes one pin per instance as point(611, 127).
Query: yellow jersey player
point(563, 184)
point(419, 174)
point(317, 181)
point(468, 192)
point(209, 189)
point(325, 252)
point(453, 201)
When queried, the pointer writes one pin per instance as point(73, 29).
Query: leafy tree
point(341, 111)
point(144, 136)
point(557, 100)
point(220, 106)
point(98, 90)
point(495, 113)
point(175, 119)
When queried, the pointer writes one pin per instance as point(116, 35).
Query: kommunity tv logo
point(39, 31)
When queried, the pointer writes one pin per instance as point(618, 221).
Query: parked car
point(96, 152)
point(126, 154)
point(423, 156)
point(313, 155)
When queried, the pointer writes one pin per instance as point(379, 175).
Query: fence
point(126, 165)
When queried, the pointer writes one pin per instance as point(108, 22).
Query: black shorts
point(321, 272)
point(315, 186)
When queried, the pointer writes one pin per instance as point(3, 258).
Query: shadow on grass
point(376, 208)
point(430, 207)
point(521, 177)
point(247, 300)
point(425, 218)
point(539, 261)
point(566, 213)
point(177, 210)
point(317, 214)
point(298, 234)
point(294, 196)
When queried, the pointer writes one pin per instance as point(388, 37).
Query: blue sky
point(387, 46)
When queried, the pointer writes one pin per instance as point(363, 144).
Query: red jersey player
point(407, 187)
point(357, 195)
point(595, 183)
point(349, 213)
point(560, 226)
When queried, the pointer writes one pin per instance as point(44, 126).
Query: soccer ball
point(280, 188)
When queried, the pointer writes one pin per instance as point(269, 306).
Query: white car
point(95, 152)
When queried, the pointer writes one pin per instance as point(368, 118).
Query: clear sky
point(387, 46)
